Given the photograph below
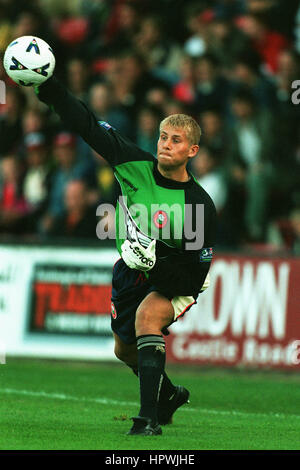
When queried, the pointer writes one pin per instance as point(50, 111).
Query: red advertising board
point(70, 299)
point(250, 316)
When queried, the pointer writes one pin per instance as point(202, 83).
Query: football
point(29, 61)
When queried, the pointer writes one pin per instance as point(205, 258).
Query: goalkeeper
point(163, 266)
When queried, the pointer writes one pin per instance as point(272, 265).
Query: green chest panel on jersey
point(148, 209)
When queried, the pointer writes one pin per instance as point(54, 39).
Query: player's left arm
point(78, 118)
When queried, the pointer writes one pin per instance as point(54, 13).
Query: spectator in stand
point(214, 31)
point(36, 180)
point(102, 103)
point(197, 22)
point(280, 17)
point(233, 9)
point(158, 97)
point(27, 22)
point(175, 107)
point(11, 121)
point(78, 76)
point(111, 72)
point(208, 169)
point(148, 122)
point(288, 70)
point(78, 219)
point(31, 20)
point(212, 89)
point(184, 89)
point(246, 73)
point(13, 206)
point(213, 131)
point(286, 132)
point(266, 42)
point(250, 148)
point(208, 172)
point(161, 55)
point(69, 167)
point(130, 80)
point(226, 41)
point(128, 15)
point(33, 121)
point(106, 187)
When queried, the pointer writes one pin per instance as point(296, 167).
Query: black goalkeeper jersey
point(152, 206)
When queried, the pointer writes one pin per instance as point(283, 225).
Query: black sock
point(167, 389)
point(151, 364)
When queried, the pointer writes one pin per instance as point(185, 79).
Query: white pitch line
point(63, 396)
point(109, 401)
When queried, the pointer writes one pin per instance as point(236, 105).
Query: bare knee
point(126, 353)
point(153, 314)
point(120, 353)
point(144, 322)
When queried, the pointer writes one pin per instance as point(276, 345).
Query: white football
point(29, 61)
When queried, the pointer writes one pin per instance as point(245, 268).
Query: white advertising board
point(36, 280)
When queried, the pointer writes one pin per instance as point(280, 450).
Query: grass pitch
point(49, 405)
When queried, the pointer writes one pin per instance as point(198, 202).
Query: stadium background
point(229, 63)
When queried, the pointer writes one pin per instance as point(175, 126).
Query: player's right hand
point(138, 257)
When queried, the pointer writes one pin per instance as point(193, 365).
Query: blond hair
point(185, 122)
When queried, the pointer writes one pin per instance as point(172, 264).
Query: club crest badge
point(113, 311)
point(206, 254)
point(160, 219)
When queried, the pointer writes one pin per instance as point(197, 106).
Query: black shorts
point(129, 288)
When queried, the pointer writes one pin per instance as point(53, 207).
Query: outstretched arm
point(79, 119)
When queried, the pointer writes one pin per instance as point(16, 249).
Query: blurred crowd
point(229, 63)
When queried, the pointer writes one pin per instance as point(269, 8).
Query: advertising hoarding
point(250, 316)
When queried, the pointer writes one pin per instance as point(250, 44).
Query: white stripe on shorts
point(183, 302)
